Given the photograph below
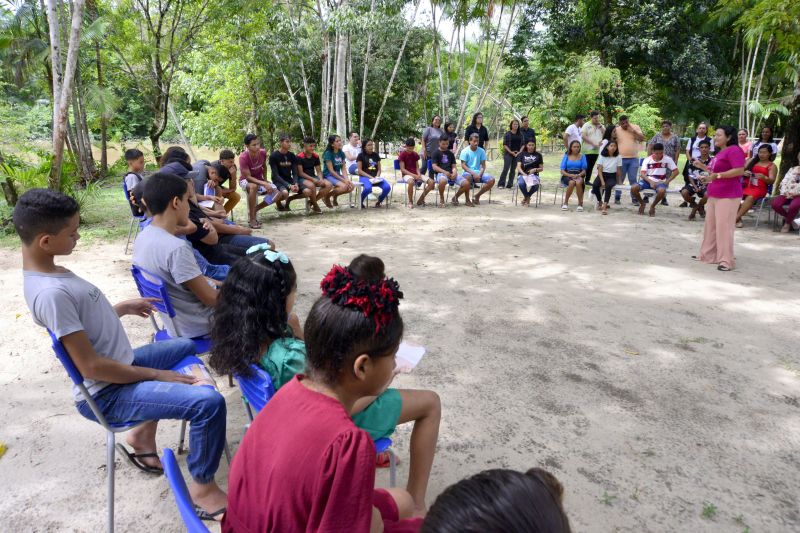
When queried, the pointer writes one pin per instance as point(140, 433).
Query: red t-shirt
point(410, 160)
point(303, 466)
point(254, 164)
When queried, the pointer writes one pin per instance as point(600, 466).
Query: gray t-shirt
point(65, 303)
point(201, 177)
point(430, 136)
point(172, 260)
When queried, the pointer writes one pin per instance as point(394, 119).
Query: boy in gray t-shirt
point(127, 385)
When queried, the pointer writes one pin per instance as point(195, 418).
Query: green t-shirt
point(286, 358)
point(337, 159)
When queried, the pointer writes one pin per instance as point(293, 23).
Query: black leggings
point(611, 180)
point(591, 159)
point(508, 169)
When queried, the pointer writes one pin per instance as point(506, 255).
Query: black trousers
point(611, 180)
point(508, 170)
point(591, 159)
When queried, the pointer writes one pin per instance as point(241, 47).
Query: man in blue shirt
point(473, 162)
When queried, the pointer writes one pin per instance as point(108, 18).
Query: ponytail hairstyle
point(500, 500)
point(331, 140)
point(356, 314)
point(251, 310)
point(609, 132)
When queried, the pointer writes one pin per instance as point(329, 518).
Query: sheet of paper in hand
point(200, 372)
point(408, 356)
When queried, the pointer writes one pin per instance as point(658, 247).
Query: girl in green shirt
point(254, 324)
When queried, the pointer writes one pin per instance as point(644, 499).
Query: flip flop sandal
point(133, 458)
point(254, 226)
point(723, 268)
point(202, 514)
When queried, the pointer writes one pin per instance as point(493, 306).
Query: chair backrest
point(152, 286)
point(182, 499)
point(256, 389)
point(62, 355)
point(397, 164)
point(430, 164)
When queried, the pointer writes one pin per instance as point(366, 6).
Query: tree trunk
point(364, 78)
point(488, 87)
point(463, 110)
point(791, 136)
point(103, 117)
point(323, 120)
point(350, 108)
point(290, 93)
point(303, 73)
point(394, 71)
point(442, 94)
point(62, 89)
point(340, 75)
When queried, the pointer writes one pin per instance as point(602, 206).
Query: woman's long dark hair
point(500, 500)
point(331, 140)
point(335, 335)
point(609, 132)
point(250, 312)
point(756, 159)
point(447, 125)
point(771, 135)
point(731, 134)
point(474, 119)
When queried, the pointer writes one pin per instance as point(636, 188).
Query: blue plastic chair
point(258, 390)
point(150, 285)
point(182, 499)
point(134, 219)
point(111, 429)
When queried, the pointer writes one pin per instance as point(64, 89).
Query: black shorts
point(688, 188)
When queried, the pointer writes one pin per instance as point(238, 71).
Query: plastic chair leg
point(227, 452)
point(392, 469)
point(130, 232)
point(181, 449)
point(110, 447)
point(230, 381)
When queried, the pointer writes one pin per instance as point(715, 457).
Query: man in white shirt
point(573, 132)
point(351, 152)
point(591, 137)
point(657, 171)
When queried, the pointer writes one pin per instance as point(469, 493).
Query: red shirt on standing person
point(302, 466)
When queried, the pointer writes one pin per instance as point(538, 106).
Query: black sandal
point(202, 514)
point(133, 458)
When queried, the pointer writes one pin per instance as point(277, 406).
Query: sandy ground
point(653, 386)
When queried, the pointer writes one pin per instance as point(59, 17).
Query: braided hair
point(356, 314)
point(250, 312)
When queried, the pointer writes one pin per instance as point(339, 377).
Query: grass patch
point(709, 510)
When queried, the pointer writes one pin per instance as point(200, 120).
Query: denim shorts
point(645, 185)
point(458, 181)
point(484, 179)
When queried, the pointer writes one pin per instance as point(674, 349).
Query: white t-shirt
point(757, 144)
point(658, 170)
point(696, 146)
point(609, 163)
point(351, 153)
point(573, 134)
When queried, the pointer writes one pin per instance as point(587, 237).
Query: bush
point(646, 117)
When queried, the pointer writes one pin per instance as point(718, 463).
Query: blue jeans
point(630, 168)
point(202, 406)
point(367, 189)
point(242, 241)
point(527, 193)
point(217, 272)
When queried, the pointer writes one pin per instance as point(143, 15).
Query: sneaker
point(579, 209)
point(564, 207)
point(684, 204)
point(664, 202)
point(635, 202)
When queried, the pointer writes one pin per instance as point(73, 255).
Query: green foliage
point(646, 117)
point(593, 87)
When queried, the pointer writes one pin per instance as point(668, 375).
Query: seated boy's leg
point(393, 504)
point(231, 200)
point(244, 241)
point(163, 355)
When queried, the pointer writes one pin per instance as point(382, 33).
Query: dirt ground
point(664, 394)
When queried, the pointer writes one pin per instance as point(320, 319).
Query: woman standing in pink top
point(724, 194)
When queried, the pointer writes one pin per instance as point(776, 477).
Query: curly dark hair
point(336, 332)
point(250, 312)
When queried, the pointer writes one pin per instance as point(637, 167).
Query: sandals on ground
point(216, 516)
point(134, 459)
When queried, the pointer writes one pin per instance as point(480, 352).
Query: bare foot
point(653, 210)
point(335, 201)
point(469, 204)
point(476, 201)
point(454, 201)
point(786, 228)
point(327, 202)
point(641, 208)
